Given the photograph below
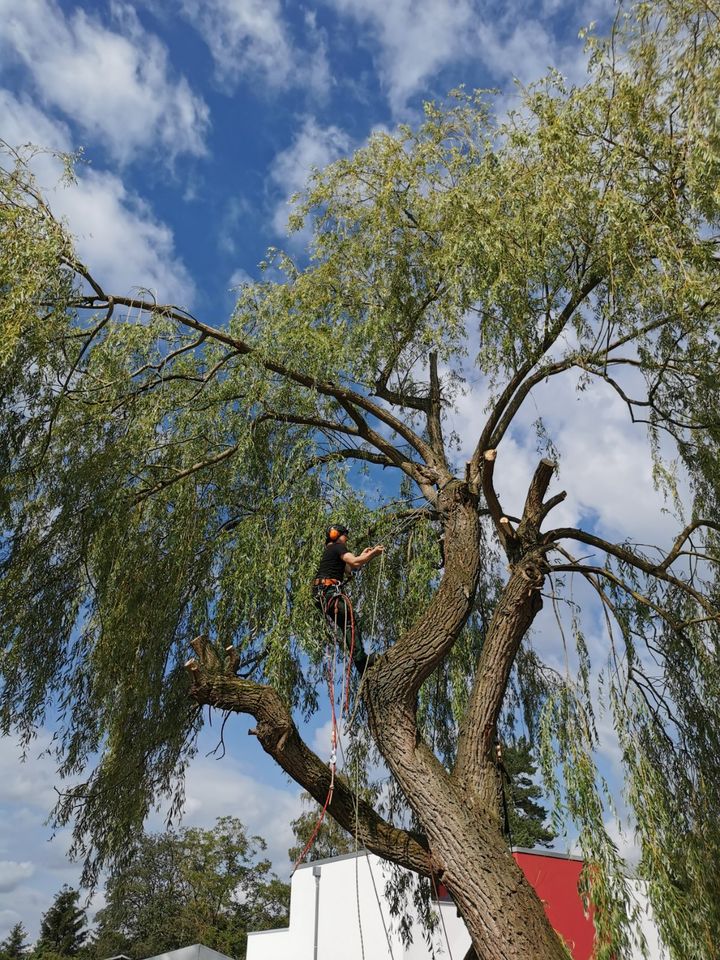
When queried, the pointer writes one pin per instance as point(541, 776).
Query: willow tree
point(167, 477)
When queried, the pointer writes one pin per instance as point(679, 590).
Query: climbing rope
point(372, 875)
point(357, 832)
point(442, 918)
point(331, 668)
point(358, 696)
point(331, 659)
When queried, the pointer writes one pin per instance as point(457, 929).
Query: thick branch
point(308, 421)
point(535, 510)
point(279, 737)
point(348, 453)
point(518, 606)
point(676, 550)
point(434, 410)
point(503, 528)
point(416, 654)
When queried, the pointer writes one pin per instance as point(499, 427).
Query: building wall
point(354, 917)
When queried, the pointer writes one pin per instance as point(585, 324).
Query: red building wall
point(555, 880)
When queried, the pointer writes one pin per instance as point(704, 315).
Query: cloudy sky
point(198, 119)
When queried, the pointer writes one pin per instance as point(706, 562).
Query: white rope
point(358, 696)
point(349, 732)
point(357, 831)
point(442, 919)
point(377, 898)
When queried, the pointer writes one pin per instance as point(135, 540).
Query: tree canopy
point(193, 886)
point(14, 946)
point(167, 477)
point(63, 929)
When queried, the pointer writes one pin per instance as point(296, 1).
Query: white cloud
point(415, 38)
point(249, 38)
point(313, 148)
point(605, 463)
point(236, 208)
point(13, 873)
point(32, 865)
point(244, 37)
point(526, 50)
point(117, 85)
point(238, 278)
point(119, 237)
point(215, 788)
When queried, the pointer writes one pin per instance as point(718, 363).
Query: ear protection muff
point(333, 533)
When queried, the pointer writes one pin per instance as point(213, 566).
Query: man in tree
point(337, 561)
point(159, 472)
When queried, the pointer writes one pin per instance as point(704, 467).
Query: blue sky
point(198, 120)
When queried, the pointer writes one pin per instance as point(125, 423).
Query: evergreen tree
point(63, 928)
point(525, 815)
point(14, 946)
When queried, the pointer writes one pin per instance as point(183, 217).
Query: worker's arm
point(353, 562)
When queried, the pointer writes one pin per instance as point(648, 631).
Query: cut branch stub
point(535, 509)
point(232, 660)
point(206, 655)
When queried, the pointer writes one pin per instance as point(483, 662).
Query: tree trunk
point(501, 910)
point(459, 810)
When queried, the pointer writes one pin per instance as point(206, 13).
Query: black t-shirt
point(331, 566)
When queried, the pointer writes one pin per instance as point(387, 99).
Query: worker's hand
point(378, 549)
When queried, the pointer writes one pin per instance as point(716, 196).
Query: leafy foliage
point(193, 886)
point(14, 946)
point(331, 840)
point(63, 927)
point(526, 816)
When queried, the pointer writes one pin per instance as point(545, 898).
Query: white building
point(338, 911)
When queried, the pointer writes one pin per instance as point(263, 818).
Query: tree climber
point(337, 562)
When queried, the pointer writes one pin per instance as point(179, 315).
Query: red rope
point(315, 832)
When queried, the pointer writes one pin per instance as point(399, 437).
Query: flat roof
point(532, 851)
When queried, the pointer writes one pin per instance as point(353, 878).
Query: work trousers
point(336, 608)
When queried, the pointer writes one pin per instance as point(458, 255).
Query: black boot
point(363, 660)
